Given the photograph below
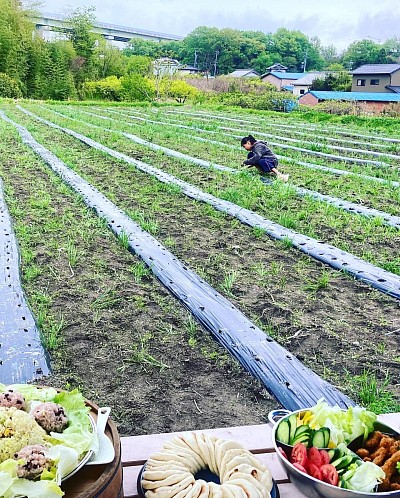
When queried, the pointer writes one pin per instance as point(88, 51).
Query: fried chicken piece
point(394, 486)
point(380, 455)
point(363, 453)
point(389, 467)
point(373, 441)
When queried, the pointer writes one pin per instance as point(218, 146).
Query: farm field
point(111, 327)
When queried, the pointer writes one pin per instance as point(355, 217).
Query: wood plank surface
point(256, 438)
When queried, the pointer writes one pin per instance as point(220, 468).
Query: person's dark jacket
point(260, 149)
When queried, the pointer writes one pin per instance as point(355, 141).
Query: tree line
point(67, 68)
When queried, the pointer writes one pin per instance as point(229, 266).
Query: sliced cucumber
point(283, 432)
point(342, 462)
point(318, 439)
point(302, 428)
point(292, 420)
point(334, 454)
point(302, 438)
point(327, 436)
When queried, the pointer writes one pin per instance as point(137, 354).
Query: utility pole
point(215, 62)
point(195, 59)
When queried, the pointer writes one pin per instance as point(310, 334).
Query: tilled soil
point(127, 343)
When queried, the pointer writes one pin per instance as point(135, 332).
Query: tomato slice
point(314, 471)
point(329, 474)
point(314, 457)
point(299, 455)
point(282, 452)
point(324, 457)
point(299, 467)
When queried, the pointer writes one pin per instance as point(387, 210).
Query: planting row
point(120, 183)
point(358, 235)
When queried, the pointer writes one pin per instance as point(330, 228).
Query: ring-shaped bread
point(171, 472)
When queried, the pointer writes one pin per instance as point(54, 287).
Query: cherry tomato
point(299, 467)
point(299, 455)
point(329, 474)
point(314, 457)
point(324, 457)
point(314, 471)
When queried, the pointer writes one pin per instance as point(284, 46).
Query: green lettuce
point(67, 448)
point(12, 487)
point(345, 425)
point(363, 478)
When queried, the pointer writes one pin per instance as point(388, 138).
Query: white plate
point(105, 452)
point(86, 457)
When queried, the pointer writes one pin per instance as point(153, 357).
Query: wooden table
point(257, 438)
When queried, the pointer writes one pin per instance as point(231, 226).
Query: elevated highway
point(55, 22)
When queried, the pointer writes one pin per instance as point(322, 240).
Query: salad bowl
point(313, 487)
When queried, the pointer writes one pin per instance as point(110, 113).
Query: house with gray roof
point(302, 85)
point(376, 78)
point(244, 73)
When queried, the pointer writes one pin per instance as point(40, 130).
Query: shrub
point(9, 87)
point(137, 87)
point(178, 90)
point(391, 110)
point(267, 101)
point(106, 89)
point(339, 108)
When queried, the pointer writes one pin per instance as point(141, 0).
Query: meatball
point(51, 417)
point(12, 398)
point(35, 461)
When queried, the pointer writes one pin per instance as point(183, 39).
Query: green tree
point(152, 49)
point(108, 60)
point(335, 82)
point(79, 26)
point(139, 64)
point(15, 41)
point(391, 49)
point(297, 52)
point(221, 51)
point(362, 52)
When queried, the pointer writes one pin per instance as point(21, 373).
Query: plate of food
point(46, 436)
point(329, 452)
point(196, 465)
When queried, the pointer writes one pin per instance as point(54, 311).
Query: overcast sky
point(334, 22)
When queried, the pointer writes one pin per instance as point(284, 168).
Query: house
point(302, 85)
point(244, 73)
point(376, 78)
point(165, 66)
point(375, 101)
point(277, 67)
point(281, 79)
point(188, 69)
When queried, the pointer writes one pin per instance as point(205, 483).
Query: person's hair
point(250, 139)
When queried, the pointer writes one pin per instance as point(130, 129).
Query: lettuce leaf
point(65, 458)
point(67, 448)
point(35, 489)
point(12, 487)
point(364, 477)
point(345, 425)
